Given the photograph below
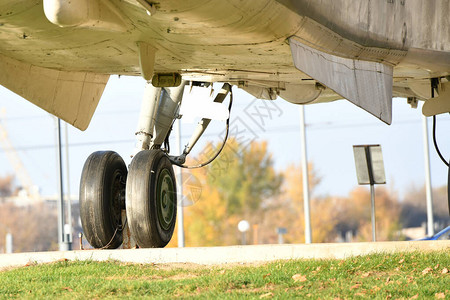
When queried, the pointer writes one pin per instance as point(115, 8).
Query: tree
point(244, 177)
point(240, 184)
point(322, 210)
point(354, 214)
point(414, 206)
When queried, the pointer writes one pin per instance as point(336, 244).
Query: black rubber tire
point(151, 213)
point(102, 191)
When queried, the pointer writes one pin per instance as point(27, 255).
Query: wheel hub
point(165, 199)
point(118, 189)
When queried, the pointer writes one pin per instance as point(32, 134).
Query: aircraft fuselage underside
point(245, 43)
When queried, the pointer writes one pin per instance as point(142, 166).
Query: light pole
point(9, 242)
point(308, 234)
point(63, 241)
point(243, 227)
point(179, 187)
point(429, 195)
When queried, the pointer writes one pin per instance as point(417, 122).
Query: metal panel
point(369, 164)
point(376, 158)
point(364, 83)
point(362, 170)
point(71, 96)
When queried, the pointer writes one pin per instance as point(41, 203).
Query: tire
point(151, 199)
point(102, 191)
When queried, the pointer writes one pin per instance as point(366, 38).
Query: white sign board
point(369, 164)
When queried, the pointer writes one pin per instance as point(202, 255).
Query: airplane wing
point(72, 96)
point(59, 54)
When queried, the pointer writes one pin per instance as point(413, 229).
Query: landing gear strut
point(148, 191)
point(151, 198)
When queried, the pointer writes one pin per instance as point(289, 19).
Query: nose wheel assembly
point(148, 189)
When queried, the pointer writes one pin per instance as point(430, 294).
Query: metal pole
point(244, 240)
point(429, 195)
point(372, 204)
point(179, 187)
point(61, 239)
point(69, 202)
point(280, 239)
point(308, 234)
point(9, 243)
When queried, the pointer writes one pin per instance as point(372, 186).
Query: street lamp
point(243, 227)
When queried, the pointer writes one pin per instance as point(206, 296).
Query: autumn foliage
point(243, 184)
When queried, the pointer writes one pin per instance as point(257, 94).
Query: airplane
point(59, 55)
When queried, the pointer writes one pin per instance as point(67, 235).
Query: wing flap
point(71, 96)
point(364, 83)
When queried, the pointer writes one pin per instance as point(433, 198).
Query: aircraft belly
point(198, 35)
point(187, 35)
point(388, 24)
point(244, 42)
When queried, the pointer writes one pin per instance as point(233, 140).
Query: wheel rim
point(165, 199)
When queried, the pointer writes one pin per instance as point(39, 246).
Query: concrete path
point(224, 255)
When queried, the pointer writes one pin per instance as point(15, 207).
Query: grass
point(398, 276)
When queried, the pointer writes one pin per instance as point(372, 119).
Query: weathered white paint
point(90, 14)
point(237, 41)
point(364, 83)
point(440, 104)
point(72, 96)
point(146, 60)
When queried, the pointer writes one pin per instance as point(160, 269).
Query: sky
point(332, 130)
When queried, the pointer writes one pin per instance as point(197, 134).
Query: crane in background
point(21, 172)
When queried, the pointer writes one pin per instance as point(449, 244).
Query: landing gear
point(102, 198)
point(150, 187)
point(151, 199)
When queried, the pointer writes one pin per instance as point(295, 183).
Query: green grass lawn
point(397, 276)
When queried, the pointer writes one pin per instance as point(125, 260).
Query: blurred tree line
point(242, 183)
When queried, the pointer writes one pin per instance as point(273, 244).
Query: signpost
point(370, 170)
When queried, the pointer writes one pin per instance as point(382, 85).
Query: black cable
point(435, 143)
point(223, 143)
point(434, 85)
